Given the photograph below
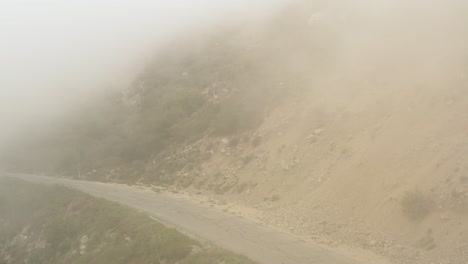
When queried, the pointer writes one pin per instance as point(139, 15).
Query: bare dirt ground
point(261, 217)
point(381, 170)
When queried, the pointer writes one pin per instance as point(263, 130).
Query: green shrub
point(275, 198)
point(416, 205)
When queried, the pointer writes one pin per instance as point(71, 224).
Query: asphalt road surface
point(259, 243)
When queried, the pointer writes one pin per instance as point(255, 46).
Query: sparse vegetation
point(241, 187)
point(256, 141)
point(426, 243)
point(275, 198)
point(248, 159)
point(44, 224)
point(223, 188)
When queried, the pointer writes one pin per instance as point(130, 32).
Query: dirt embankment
point(381, 169)
point(371, 153)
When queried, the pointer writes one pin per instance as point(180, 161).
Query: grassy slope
point(44, 224)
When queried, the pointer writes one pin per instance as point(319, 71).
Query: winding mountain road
point(259, 243)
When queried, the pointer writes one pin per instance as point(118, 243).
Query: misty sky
point(57, 53)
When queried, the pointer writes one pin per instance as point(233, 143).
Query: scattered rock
point(445, 216)
point(83, 244)
point(127, 240)
point(318, 131)
point(196, 249)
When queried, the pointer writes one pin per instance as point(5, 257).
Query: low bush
point(416, 205)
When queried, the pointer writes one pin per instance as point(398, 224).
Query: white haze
point(56, 54)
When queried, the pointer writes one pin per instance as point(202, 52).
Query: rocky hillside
point(345, 127)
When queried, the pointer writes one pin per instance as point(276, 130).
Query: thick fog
point(55, 54)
